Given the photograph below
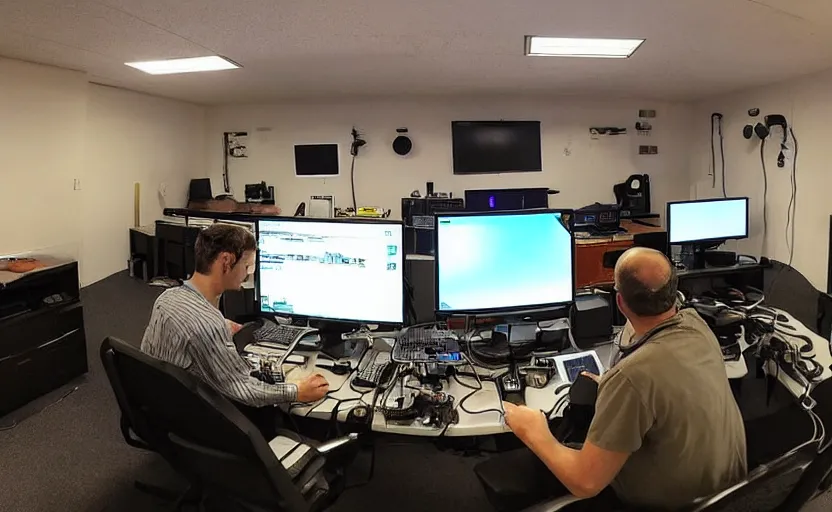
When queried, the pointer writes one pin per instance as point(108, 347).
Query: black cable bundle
point(716, 116)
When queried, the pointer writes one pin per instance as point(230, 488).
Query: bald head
point(646, 282)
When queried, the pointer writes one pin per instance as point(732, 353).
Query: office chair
point(208, 441)
point(765, 489)
point(815, 480)
point(138, 432)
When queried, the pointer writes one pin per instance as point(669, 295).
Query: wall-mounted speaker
point(402, 145)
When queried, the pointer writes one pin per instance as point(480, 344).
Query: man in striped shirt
point(187, 329)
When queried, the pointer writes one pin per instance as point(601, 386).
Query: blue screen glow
point(708, 220)
point(502, 261)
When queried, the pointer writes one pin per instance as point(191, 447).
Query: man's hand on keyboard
point(312, 388)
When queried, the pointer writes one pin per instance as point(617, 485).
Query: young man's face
point(235, 274)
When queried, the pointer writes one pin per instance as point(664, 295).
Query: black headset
point(629, 349)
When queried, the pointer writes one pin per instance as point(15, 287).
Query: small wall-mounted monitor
point(707, 220)
point(482, 147)
point(316, 160)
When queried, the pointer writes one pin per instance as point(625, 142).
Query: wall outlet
point(76, 184)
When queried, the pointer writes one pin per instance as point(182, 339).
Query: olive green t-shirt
point(670, 406)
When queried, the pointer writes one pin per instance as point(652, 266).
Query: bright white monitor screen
point(503, 261)
point(699, 221)
point(335, 270)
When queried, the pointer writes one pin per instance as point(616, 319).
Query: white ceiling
point(314, 48)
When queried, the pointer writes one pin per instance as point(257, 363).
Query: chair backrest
point(766, 486)
point(199, 432)
point(810, 483)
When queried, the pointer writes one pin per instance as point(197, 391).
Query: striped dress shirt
point(188, 331)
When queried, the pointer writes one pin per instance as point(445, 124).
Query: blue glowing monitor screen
point(697, 221)
point(336, 270)
point(502, 261)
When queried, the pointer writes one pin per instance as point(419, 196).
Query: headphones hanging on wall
point(764, 130)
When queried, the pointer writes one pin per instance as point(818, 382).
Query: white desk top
point(478, 416)
point(552, 399)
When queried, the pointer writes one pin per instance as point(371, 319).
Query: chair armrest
point(337, 443)
point(553, 505)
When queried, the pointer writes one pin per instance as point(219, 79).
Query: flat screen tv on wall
point(483, 147)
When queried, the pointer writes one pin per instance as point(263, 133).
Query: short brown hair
point(220, 238)
point(643, 300)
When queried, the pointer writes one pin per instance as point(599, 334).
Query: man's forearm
point(565, 463)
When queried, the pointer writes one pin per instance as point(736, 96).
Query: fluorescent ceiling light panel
point(581, 47)
point(189, 65)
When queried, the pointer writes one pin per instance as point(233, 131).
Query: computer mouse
point(340, 369)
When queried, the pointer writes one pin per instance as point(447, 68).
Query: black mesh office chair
point(783, 485)
point(212, 444)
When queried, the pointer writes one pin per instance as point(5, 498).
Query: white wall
point(42, 111)
point(132, 138)
point(56, 128)
point(586, 175)
point(807, 104)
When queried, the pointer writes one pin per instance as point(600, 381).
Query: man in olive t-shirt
point(667, 429)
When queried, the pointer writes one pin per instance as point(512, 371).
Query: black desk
point(144, 253)
point(736, 276)
point(42, 339)
point(176, 249)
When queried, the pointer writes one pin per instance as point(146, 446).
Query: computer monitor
point(343, 270)
point(503, 262)
point(707, 221)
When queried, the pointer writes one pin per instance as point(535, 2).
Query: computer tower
point(417, 216)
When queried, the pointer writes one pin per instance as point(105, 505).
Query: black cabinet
point(42, 340)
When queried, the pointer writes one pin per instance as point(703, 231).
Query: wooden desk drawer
point(589, 262)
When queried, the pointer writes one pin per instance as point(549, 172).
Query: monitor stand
point(701, 256)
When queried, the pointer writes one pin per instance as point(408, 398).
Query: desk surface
point(632, 228)
point(482, 414)
point(483, 406)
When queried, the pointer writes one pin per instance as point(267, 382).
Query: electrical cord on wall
point(791, 220)
point(716, 129)
point(226, 185)
point(765, 193)
point(357, 143)
point(712, 174)
point(352, 184)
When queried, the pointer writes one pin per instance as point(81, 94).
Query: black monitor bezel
point(709, 240)
point(335, 220)
point(566, 215)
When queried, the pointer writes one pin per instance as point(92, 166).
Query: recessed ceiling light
point(581, 47)
point(189, 65)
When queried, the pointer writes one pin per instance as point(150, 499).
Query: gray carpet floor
point(69, 455)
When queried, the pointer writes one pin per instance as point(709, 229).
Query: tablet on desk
point(569, 366)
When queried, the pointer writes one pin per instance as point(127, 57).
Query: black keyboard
point(372, 371)
point(426, 346)
point(279, 333)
